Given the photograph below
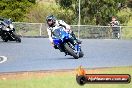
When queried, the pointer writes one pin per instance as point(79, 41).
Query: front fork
point(12, 35)
point(77, 48)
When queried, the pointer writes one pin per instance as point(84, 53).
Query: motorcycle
point(7, 31)
point(62, 40)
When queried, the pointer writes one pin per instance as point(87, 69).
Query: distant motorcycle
point(7, 31)
point(64, 43)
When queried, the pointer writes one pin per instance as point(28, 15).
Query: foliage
point(15, 9)
point(60, 79)
point(41, 10)
point(125, 16)
point(95, 11)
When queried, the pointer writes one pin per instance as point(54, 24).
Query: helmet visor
point(49, 20)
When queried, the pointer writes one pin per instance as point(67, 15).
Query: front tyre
point(70, 51)
point(81, 54)
point(18, 39)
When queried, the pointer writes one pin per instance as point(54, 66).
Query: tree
point(129, 3)
point(40, 11)
point(15, 9)
point(94, 11)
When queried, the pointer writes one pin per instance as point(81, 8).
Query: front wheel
point(18, 39)
point(70, 51)
point(81, 54)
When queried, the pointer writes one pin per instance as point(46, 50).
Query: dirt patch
point(35, 74)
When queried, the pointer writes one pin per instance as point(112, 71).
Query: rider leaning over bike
point(52, 22)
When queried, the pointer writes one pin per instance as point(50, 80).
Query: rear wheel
point(5, 40)
point(4, 36)
point(70, 51)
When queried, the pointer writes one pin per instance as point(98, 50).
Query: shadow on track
point(66, 58)
point(9, 42)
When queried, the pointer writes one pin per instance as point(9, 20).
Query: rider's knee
point(55, 46)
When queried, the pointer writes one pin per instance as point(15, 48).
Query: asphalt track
point(37, 54)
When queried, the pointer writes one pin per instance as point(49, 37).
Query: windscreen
point(58, 32)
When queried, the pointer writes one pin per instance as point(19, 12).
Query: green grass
point(65, 80)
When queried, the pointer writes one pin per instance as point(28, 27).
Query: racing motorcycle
point(63, 41)
point(7, 31)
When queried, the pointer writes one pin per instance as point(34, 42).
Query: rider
point(5, 22)
point(1, 19)
point(52, 22)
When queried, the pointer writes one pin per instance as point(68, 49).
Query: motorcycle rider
point(52, 22)
point(1, 19)
point(5, 22)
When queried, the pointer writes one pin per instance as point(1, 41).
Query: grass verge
point(58, 79)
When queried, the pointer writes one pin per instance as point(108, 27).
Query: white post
point(40, 30)
point(79, 19)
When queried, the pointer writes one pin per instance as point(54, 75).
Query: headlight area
point(11, 26)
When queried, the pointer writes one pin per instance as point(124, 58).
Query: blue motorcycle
point(63, 41)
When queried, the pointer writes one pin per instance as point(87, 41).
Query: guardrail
point(82, 31)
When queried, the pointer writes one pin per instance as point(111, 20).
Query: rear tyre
point(5, 40)
point(70, 51)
